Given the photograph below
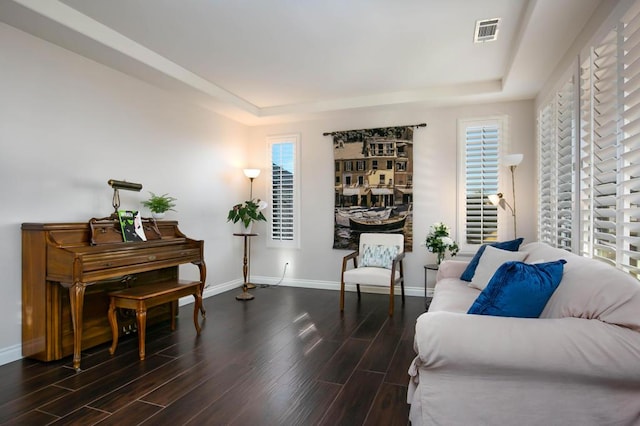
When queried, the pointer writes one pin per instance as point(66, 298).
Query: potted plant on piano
point(159, 204)
point(248, 212)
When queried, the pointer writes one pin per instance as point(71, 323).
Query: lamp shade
point(252, 173)
point(495, 198)
point(512, 159)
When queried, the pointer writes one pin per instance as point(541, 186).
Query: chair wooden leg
point(358, 287)
point(402, 288)
point(391, 300)
point(341, 296)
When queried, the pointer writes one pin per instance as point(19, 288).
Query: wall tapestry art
point(373, 184)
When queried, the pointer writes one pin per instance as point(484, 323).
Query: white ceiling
point(261, 61)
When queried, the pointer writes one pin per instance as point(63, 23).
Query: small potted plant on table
point(159, 204)
point(247, 213)
point(438, 241)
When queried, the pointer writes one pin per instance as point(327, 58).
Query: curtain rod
point(342, 131)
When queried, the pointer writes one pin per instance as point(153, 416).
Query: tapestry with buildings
point(373, 184)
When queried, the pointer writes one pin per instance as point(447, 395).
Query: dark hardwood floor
point(285, 358)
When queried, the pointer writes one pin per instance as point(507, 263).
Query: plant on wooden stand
point(248, 212)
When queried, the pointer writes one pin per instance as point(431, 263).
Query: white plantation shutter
point(481, 154)
point(609, 163)
point(602, 220)
point(556, 133)
point(283, 189)
point(599, 151)
point(585, 161)
point(630, 144)
point(565, 171)
point(546, 174)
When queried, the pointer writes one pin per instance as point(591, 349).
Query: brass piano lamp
point(121, 184)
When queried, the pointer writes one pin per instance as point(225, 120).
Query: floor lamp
point(251, 174)
point(512, 162)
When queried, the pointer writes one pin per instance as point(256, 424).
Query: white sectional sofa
point(578, 364)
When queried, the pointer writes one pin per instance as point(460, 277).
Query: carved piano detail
point(65, 279)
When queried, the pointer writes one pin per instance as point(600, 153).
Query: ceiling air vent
point(486, 30)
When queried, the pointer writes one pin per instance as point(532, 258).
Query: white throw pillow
point(490, 261)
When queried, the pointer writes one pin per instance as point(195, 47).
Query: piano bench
point(140, 298)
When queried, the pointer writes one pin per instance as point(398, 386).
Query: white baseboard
point(10, 354)
point(417, 291)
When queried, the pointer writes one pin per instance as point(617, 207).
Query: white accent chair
point(374, 275)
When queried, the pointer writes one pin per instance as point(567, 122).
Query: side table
point(427, 268)
point(246, 260)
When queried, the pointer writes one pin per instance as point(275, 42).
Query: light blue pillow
point(519, 289)
point(378, 256)
point(512, 245)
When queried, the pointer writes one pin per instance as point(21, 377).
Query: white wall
point(68, 124)
point(435, 176)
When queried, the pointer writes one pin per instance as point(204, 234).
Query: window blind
point(482, 146)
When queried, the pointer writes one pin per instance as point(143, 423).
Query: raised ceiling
point(261, 61)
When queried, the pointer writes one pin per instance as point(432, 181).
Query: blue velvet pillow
point(519, 289)
point(512, 245)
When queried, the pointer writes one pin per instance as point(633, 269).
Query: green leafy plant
point(247, 212)
point(160, 203)
point(438, 241)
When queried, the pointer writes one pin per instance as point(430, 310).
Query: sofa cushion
point(512, 245)
point(519, 289)
point(452, 295)
point(590, 289)
point(489, 263)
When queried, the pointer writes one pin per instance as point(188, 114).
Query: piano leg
point(203, 277)
point(197, 307)
point(76, 298)
point(113, 321)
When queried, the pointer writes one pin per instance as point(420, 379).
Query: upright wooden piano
point(68, 269)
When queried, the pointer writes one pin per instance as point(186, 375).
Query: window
point(348, 166)
point(382, 179)
point(360, 165)
point(389, 164)
point(283, 152)
point(610, 148)
point(599, 156)
point(479, 149)
point(374, 165)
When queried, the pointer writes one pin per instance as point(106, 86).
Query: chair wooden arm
point(397, 261)
point(354, 256)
